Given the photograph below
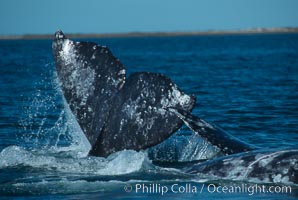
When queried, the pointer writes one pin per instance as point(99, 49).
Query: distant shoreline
point(154, 34)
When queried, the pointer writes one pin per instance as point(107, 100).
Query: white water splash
point(183, 148)
point(40, 132)
point(80, 143)
point(123, 162)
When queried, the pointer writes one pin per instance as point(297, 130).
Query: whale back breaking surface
point(115, 115)
point(266, 166)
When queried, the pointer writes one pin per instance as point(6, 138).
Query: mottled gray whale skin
point(116, 114)
point(139, 117)
point(266, 166)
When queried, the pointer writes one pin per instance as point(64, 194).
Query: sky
point(120, 16)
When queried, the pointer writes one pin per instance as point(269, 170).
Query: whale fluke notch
point(227, 143)
point(90, 76)
point(115, 115)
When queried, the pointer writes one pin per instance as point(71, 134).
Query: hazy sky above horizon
point(112, 16)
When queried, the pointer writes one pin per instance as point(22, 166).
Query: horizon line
point(154, 33)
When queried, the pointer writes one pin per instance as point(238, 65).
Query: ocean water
point(246, 84)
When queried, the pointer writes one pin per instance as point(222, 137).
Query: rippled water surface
point(246, 84)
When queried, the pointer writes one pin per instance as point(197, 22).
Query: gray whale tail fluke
point(213, 134)
point(115, 113)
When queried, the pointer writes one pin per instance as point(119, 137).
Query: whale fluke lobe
point(90, 76)
point(138, 118)
point(213, 134)
point(115, 115)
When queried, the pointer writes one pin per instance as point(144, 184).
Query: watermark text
point(192, 188)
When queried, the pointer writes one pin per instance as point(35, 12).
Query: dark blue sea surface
point(246, 84)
